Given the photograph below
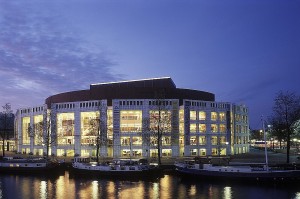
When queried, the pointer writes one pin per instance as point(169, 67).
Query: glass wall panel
point(202, 115)
point(89, 127)
point(65, 128)
point(25, 130)
point(131, 121)
point(38, 129)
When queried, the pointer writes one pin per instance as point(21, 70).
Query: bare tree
point(256, 135)
point(45, 131)
point(278, 130)
point(296, 128)
point(38, 135)
point(98, 129)
point(6, 124)
point(286, 112)
point(159, 124)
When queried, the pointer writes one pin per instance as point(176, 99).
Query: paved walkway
point(258, 156)
point(254, 156)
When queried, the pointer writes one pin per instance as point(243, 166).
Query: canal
point(170, 186)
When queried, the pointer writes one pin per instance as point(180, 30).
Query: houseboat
point(119, 168)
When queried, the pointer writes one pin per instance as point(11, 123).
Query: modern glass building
point(124, 112)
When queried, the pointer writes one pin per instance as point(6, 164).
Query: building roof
point(133, 89)
point(151, 82)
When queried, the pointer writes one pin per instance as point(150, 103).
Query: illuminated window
point(192, 115)
point(202, 140)
point(238, 117)
point(166, 152)
point(181, 116)
point(181, 128)
point(38, 129)
point(202, 128)
point(26, 130)
point(214, 116)
point(137, 141)
point(202, 152)
point(181, 122)
point(193, 152)
point(193, 128)
point(89, 127)
point(131, 121)
point(65, 128)
point(214, 128)
point(193, 140)
point(153, 141)
point(214, 151)
point(202, 115)
point(125, 141)
point(166, 140)
point(214, 140)
point(222, 140)
point(181, 142)
point(110, 127)
point(222, 116)
point(131, 153)
point(222, 128)
point(163, 121)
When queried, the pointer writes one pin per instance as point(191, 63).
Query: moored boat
point(16, 165)
point(120, 168)
point(250, 173)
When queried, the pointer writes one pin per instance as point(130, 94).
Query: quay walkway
point(254, 156)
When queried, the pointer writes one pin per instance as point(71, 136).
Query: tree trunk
point(159, 153)
point(288, 146)
point(3, 146)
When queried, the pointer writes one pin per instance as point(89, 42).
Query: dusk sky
point(242, 51)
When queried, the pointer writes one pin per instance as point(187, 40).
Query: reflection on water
point(64, 186)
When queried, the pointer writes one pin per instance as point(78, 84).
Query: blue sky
point(242, 51)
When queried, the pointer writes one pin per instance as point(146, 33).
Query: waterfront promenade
point(254, 156)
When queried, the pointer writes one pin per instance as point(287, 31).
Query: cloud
point(41, 54)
